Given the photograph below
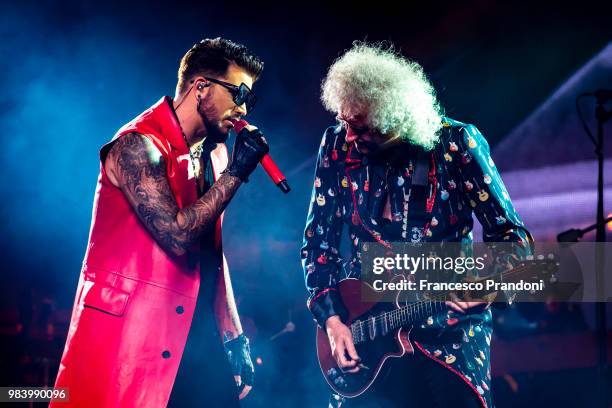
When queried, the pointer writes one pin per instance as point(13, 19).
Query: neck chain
point(196, 150)
point(195, 153)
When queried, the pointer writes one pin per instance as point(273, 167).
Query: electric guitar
point(380, 329)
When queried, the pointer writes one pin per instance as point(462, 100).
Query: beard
point(214, 130)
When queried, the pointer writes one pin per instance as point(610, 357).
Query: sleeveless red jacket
point(135, 302)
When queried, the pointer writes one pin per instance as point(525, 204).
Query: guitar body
point(372, 322)
point(373, 354)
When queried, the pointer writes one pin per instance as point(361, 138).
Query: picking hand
point(341, 342)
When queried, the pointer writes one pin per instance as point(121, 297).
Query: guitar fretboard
point(382, 324)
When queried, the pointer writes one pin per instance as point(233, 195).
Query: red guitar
point(380, 330)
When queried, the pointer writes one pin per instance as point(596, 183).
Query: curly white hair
point(391, 91)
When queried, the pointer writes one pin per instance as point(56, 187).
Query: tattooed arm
point(137, 167)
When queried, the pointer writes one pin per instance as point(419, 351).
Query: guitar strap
point(422, 195)
point(421, 199)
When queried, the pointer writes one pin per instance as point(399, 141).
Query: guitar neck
point(383, 323)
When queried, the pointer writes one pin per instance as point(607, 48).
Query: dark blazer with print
point(466, 183)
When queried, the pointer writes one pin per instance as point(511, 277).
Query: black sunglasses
point(242, 94)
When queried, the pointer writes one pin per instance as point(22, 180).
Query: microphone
point(266, 162)
point(289, 328)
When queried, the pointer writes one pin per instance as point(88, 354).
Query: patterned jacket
point(466, 182)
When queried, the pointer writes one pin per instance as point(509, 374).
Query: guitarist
point(390, 123)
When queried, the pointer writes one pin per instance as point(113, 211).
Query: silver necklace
point(194, 155)
point(196, 152)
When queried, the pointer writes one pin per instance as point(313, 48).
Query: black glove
point(249, 148)
point(239, 356)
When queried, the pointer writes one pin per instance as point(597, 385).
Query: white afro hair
point(391, 90)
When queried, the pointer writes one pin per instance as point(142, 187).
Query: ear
point(199, 84)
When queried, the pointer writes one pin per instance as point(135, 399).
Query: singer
point(154, 307)
point(394, 169)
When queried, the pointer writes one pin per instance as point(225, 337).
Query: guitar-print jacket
point(371, 196)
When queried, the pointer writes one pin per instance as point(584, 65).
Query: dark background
point(74, 72)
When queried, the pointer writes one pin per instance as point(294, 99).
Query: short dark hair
point(213, 57)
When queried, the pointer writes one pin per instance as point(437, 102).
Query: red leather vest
point(135, 302)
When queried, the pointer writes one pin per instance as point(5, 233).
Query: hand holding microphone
point(249, 148)
point(254, 138)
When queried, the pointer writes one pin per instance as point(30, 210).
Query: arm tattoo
point(140, 170)
point(203, 214)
